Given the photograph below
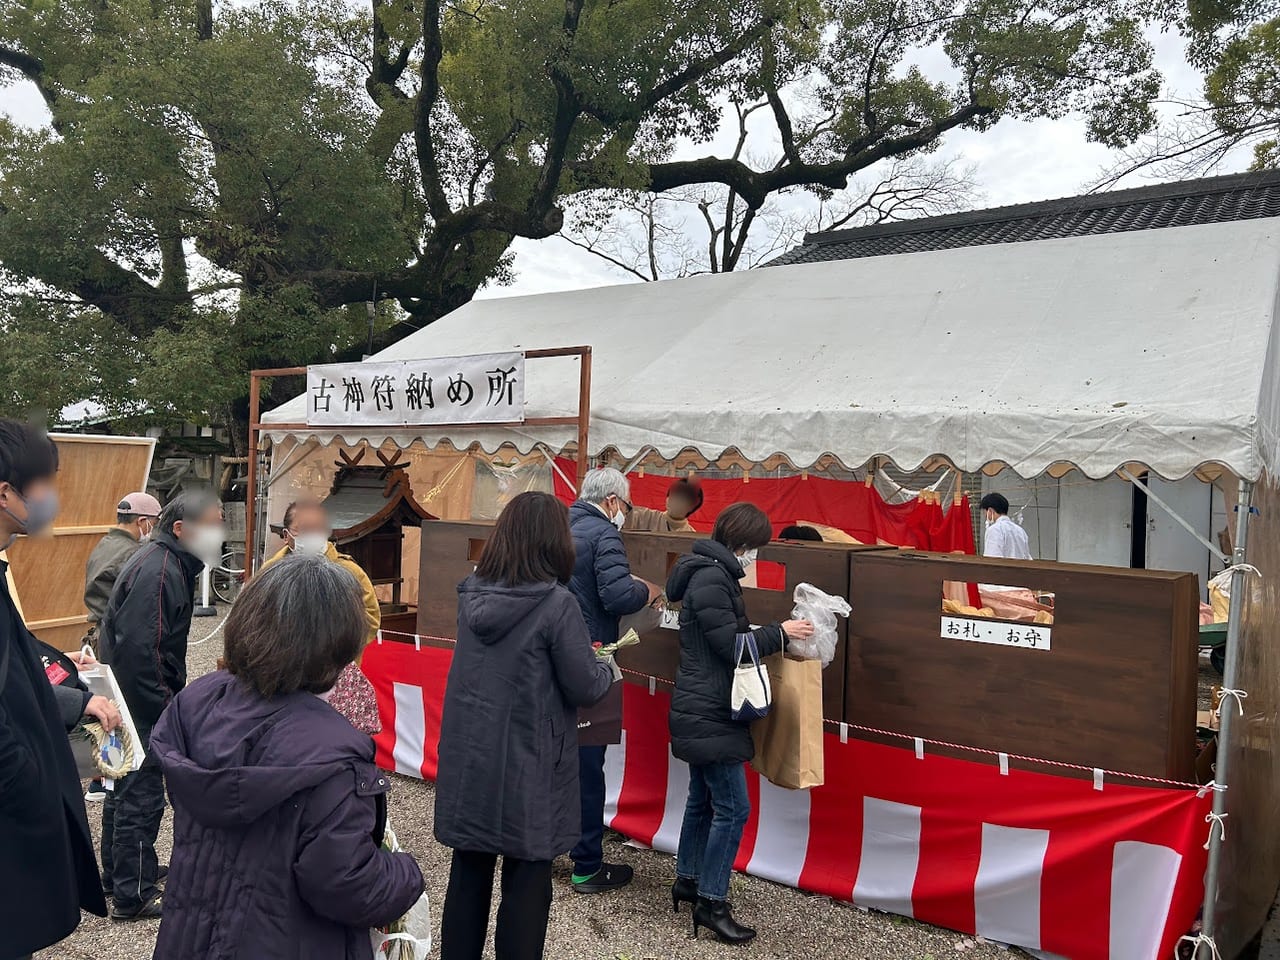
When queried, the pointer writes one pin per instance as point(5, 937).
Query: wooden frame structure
point(582, 420)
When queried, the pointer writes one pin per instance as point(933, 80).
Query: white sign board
point(487, 388)
point(1029, 636)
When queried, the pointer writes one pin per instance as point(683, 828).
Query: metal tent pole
point(1229, 678)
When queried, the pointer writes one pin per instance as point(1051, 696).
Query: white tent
point(1151, 346)
point(1156, 347)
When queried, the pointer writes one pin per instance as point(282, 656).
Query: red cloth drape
point(853, 507)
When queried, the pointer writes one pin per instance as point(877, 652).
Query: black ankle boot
point(684, 890)
point(716, 916)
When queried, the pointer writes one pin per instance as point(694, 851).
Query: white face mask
point(619, 518)
point(311, 544)
point(205, 542)
point(747, 558)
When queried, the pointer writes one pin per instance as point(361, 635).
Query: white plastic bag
point(409, 938)
point(820, 609)
point(412, 939)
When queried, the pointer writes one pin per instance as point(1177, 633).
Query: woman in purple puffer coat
point(278, 807)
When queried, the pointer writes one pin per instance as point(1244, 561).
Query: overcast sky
point(1015, 162)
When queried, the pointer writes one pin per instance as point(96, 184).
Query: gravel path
point(635, 924)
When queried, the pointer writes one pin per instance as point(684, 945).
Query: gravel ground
point(635, 924)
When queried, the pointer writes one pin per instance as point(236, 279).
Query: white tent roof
point(1152, 346)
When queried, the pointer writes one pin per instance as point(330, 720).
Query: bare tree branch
point(755, 187)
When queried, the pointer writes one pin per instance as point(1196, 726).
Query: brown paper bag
point(788, 741)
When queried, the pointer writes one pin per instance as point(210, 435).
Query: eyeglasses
point(626, 505)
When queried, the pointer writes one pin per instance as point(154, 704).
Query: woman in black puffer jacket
point(703, 731)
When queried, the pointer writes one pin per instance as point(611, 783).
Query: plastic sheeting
point(1151, 346)
point(451, 484)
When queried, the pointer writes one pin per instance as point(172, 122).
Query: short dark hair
point(688, 488)
point(995, 501)
point(127, 517)
point(186, 505)
point(307, 503)
point(800, 532)
point(26, 454)
point(295, 626)
point(531, 543)
point(742, 526)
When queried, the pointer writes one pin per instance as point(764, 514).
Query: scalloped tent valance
point(1156, 347)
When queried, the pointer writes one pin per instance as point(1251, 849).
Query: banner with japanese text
point(486, 388)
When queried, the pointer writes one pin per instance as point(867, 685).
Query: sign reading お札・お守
point(1029, 636)
point(487, 388)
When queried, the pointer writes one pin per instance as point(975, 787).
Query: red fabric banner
point(853, 507)
point(409, 682)
point(1044, 862)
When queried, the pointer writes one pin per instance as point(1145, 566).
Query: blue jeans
point(717, 811)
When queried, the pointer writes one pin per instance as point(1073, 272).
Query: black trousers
point(131, 816)
point(522, 914)
point(588, 854)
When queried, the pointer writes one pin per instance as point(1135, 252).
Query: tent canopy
point(1153, 346)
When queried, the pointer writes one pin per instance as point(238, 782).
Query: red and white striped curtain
point(1044, 862)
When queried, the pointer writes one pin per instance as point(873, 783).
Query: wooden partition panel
point(48, 570)
point(1116, 689)
point(450, 551)
point(826, 566)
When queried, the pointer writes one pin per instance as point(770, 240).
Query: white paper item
point(102, 682)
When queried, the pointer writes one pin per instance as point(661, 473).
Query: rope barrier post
point(1229, 681)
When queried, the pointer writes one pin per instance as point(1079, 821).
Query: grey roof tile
point(1245, 196)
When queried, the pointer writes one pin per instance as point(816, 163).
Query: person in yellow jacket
point(306, 531)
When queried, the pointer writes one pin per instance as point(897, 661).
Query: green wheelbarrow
point(1213, 636)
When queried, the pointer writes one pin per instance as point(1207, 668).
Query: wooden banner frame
point(582, 420)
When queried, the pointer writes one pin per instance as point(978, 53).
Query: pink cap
point(140, 505)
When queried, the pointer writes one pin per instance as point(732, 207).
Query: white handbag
point(751, 697)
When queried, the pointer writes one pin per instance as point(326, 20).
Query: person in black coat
point(507, 783)
point(703, 731)
point(143, 638)
point(47, 870)
point(606, 591)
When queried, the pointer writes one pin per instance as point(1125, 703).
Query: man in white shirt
point(1003, 538)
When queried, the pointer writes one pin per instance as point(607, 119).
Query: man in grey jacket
point(136, 516)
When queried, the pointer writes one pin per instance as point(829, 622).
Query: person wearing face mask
point(136, 517)
point(305, 529)
point(1003, 537)
point(47, 870)
point(606, 591)
point(143, 637)
point(703, 732)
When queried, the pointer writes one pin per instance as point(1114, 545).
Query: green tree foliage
point(221, 184)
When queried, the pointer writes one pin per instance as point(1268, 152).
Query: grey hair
point(602, 483)
point(187, 505)
point(296, 626)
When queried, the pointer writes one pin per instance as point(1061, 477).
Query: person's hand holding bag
point(798, 629)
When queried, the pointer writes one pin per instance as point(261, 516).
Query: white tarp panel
point(1154, 346)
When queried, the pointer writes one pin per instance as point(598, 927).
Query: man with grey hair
point(144, 640)
point(606, 591)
